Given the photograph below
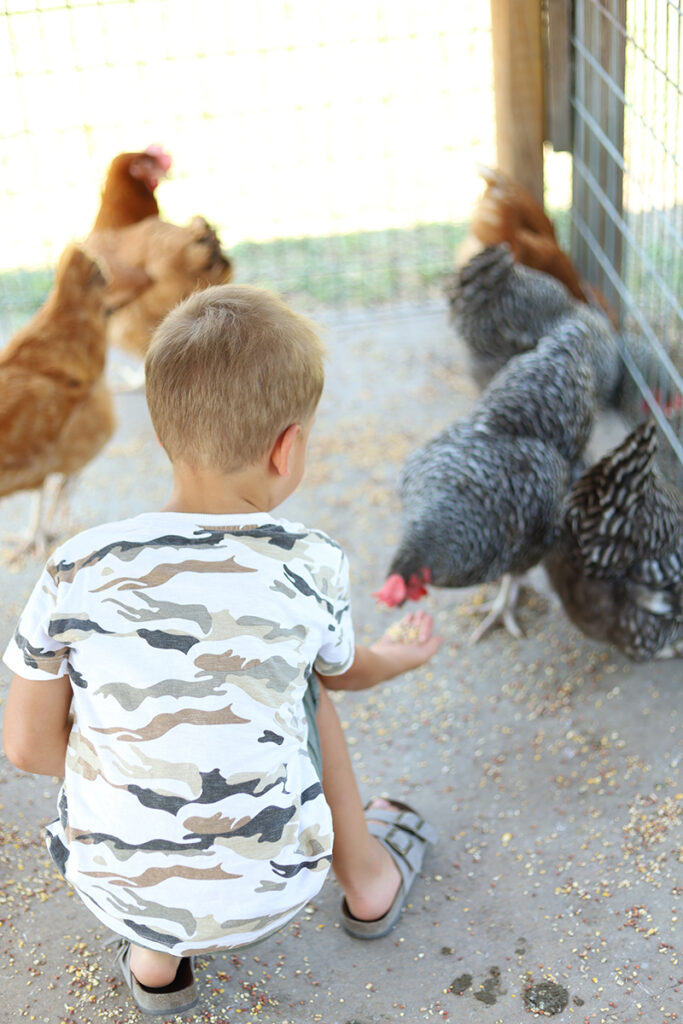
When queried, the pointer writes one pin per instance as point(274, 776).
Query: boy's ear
point(279, 456)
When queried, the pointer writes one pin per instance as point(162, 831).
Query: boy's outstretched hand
point(409, 643)
point(405, 645)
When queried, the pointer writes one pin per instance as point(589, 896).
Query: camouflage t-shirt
point(191, 817)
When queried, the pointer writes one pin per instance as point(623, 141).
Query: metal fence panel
point(627, 212)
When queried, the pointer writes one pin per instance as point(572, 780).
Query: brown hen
point(507, 212)
point(164, 262)
point(128, 190)
point(55, 409)
point(176, 260)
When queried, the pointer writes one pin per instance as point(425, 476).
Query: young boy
point(168, 667)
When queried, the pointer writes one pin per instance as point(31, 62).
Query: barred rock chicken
point(618, 567)
point(483, 498)
point(507, 212)
point(501, 308)
point(55, 410)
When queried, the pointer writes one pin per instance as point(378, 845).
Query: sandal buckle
point(411, 821)
point(399, 840)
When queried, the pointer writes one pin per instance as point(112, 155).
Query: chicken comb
point(160, 155)
point(394, 591)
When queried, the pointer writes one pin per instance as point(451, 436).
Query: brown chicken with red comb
point(128, 190)
point(162, 261)
point(507, 212)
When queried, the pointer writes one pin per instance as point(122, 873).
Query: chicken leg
point(501, 609)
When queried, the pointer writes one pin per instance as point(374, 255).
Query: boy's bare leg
point(363, 867)
point(151, 967)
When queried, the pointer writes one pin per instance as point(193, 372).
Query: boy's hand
point(408, 643)
point(405, 645)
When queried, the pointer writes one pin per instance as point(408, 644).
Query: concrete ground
point(551, 766)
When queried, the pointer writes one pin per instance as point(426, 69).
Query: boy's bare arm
point(37, 724)
point(404, 646)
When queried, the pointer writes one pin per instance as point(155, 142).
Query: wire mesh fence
point(333, 146)
point(627, 211)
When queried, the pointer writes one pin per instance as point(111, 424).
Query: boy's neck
point(207, 492)
point(259, 487)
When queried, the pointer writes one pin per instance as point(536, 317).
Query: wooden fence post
point(516, 30)
point(558, 75)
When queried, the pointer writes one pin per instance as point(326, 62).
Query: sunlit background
point(284, 119)
point(335, 146)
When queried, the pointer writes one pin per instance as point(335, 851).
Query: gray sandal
point(177, 997)
point(406, 836)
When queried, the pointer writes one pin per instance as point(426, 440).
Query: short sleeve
point(32, 652)
point(336, 654)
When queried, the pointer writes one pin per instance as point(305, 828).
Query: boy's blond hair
point(227, 371)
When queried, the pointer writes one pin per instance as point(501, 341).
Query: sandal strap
point(157, 1002)
point(405, 833)
point(404, 819)
point(407, 852)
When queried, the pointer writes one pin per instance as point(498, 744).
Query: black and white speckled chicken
point(618, 568)
point(483, 499)
point(501, 308)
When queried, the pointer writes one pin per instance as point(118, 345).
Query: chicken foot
point(35, 541)
point(39, 537)
point(672, 651)
point(501, 609)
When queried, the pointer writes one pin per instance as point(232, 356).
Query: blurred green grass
point(360, 269)
point(22, 292)
point(370, 268)
point(364, 269)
